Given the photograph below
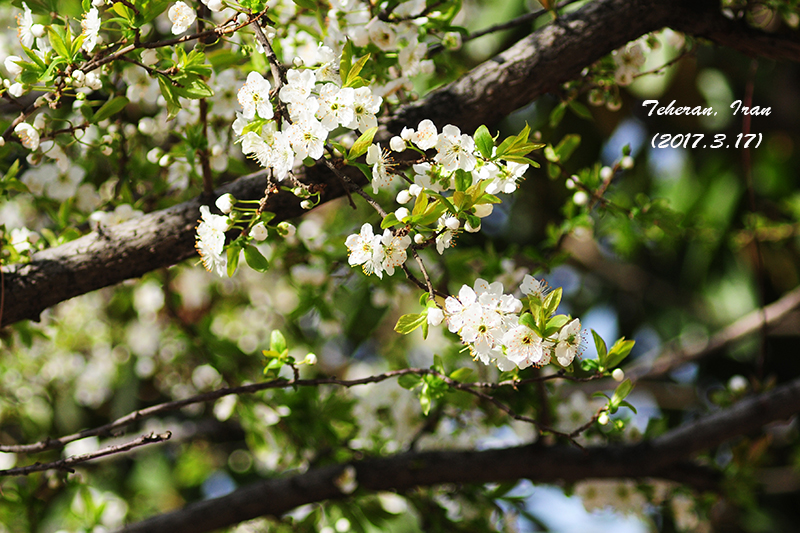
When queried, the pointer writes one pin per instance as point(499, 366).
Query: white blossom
point(25, 27)
point(259, 232)
point(525, 348)
point(380, 163)
point(307, 138)
point(426, 135)
point(366, 249)
point(12, 65)
point(28, 135)
point(225, 203)
point(90, 26)
point(533, 287)
point(335, 106)
point(394, 250)
point(211, 241)
point(569, 342)
point(365, 106)
point(181, 16)
point(254, 97)
point(299, 84)
point(454, 150)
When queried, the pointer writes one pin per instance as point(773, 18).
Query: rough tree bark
point(532, 67)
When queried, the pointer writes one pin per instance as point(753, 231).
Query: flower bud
point(414, 190)
point(402, 213)
point(403, 197)
point(452, 223)
point(310, 359)
point(618, 374)
point(419, 238)
point(580, 198)
point(259, 232)
point(483, 210)
point(298, 62)
point(606, 173)
point(397, 144)
point(286, 229)
point(435, 316)
point(225, 203)
point(470, 228)
point(627, 162)
point(603, 418)
point(106, 150)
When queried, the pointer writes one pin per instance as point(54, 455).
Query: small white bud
point(397, 144)
point(452, 40)
point(165, 160)
point(225, 203)
point(402, 213)
point(603, 418)
point(418, 238)
point(618, 374)
point(38, 122)
point(2, 141)
point(78, 78)
point(483, 210)
point(571, 182)
point(435, 316)
point(407, 134)
point(403, 197)
point(606, 173)
point(627, 162)
point(452, 223)
point(470, 228)
point(414, 190)
point(259, 232)
point(149, 57)
point(298, 62)
point(16, 90)
point(738, 384)
point(580, 198)
point(310, 359)
point(286, 229)
point(37, 30)
point(154, 155)
point(106, 150)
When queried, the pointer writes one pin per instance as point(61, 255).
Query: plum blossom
point(394, 250)
point(525, 348)
point(335, 106)
point(454, 150)
point(533, 287)
point(366, 249)
point(380, 163)
point(27, 31)
point(426, 135)
point(28, 135)
point(298, 87)
point(569, 342)
point(181, 16)
point(254, 97)
point(628, 60)
point(91, 28)
point(210, 242)
point(365, 105)
point(271, 149)
point(307, 138)
point(444, 232)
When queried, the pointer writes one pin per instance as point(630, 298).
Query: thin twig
point(67, 463)
point(135, 416)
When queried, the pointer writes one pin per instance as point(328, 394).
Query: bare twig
point(68, 462)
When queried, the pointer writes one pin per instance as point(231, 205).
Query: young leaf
point(600, 345)
point(484, 141)
point(255, 260)
point(389, 221)
point(353, 75)
point(460, 374)
point(408, 323)
point(438, 364)
point(409, 381)
point(110, 108)
point(619, 352)
point(233, 259)
point(361, 145)
point(277, 342)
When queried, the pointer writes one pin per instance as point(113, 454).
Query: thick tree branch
point(664, 457)
point(535, 65)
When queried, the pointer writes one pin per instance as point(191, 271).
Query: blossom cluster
point(488, 321)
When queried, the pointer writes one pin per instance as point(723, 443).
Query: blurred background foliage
point(688, 241)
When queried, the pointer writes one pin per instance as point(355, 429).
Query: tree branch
point(532, 67)
point(664, 457)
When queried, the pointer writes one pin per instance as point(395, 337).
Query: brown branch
point(530, 68)
point(67, 463)
point(664, 457)
point(749, 324)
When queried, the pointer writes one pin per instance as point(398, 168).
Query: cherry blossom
point(181, 16)
point(454, 150)
point(254, 97)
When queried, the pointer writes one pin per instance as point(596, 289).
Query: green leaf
point(551, 302)
point(346, 60)
point(621, 392)
point(167, 91)
point(463, 180)
point(362, 144)
point(527, 320)
point(420, 204)
point(58, 44)
point(389, 221)
point(233, 259)
point(567, 146)
point(438, 364)
point(484, 141)
point(621, 349)
point(460, 374)
point(557, 114)
point(580, 110)
point(113, 106)
point(425, 399)
point(277, 342)
point(409, 381)
point(600, 345)
point(408, 323)
point(352, 75)
point(255, 260)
